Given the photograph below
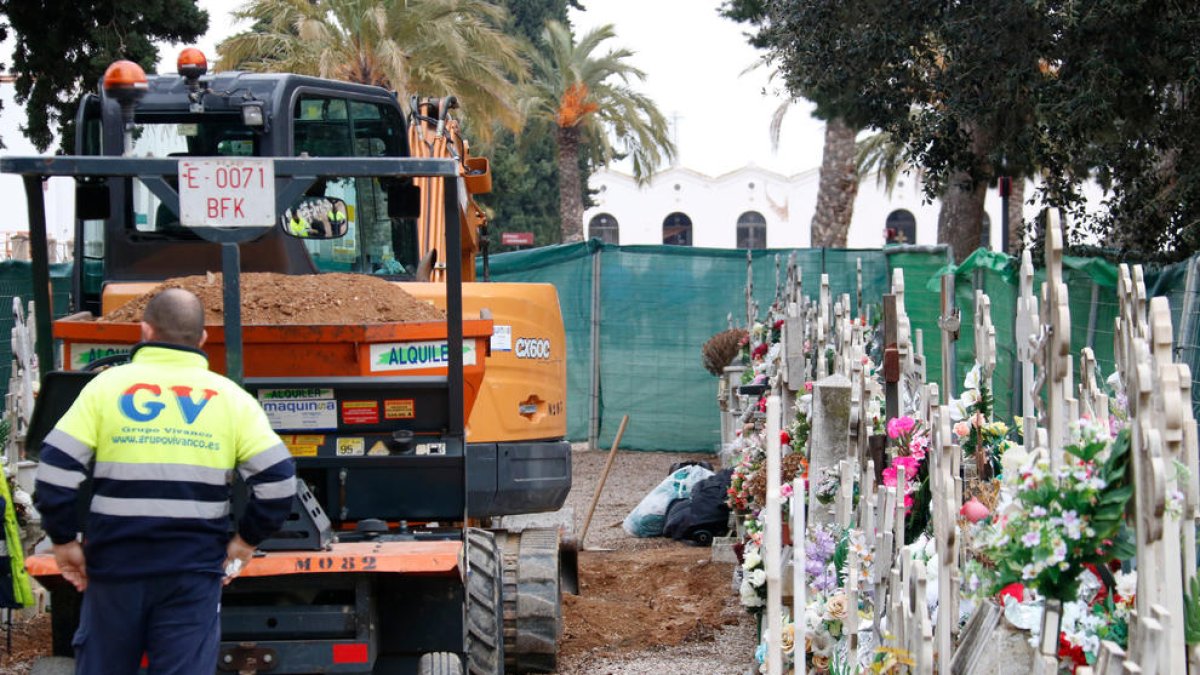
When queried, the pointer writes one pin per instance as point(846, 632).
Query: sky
point(699, 71)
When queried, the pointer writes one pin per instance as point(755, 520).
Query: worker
point(298, 225)
point(159, 437)
point(337, 220)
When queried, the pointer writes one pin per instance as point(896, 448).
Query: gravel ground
point(729, 651)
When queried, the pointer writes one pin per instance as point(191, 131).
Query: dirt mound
point(313, 299)
point(635, 600)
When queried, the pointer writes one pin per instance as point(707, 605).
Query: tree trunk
point(960, 222)
point(570, 191)
point(838, 187)
point(1016, 217)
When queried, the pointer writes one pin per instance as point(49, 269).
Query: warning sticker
point(379, 449)
point(398, 409)
point(303, 446)
point(501, 338)
point(360, 412)
point(351, 447)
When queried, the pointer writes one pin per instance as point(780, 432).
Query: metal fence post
point(594, 417)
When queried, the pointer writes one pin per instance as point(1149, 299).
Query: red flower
point(784, 438)
point(1014, 590)
point(1067, 651)
point(778, 324)
point(759, 351)
point(762, 404)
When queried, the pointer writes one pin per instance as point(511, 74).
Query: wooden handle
point(603, 477)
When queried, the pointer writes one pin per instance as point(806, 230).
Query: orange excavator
point(408, 437)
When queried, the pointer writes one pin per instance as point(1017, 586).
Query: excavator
point(386, 564)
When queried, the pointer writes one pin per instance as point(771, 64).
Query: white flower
point(757, 577)
point(1059, 553)
point(749, 595)
point(973, 378)
point(958, 410)
point(751, 560)
point(1174, 507)
point(1126, 584)
point(1013, 459)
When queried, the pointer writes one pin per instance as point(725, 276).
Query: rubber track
point(485, 618)
point(532, 601)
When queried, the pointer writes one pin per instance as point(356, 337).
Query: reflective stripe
point(63, 478)
point(189, 473)
point(78, 450)
point(279, 489)
point(264, 460)
point(159, 508)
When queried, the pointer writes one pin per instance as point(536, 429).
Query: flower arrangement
point(1061, 520)
point(978, 435)
point(1096, 615)
point(788, 642)
point(828, 485)
point(910, 443)
point(738, 496)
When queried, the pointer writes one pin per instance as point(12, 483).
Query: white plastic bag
point(647, 518)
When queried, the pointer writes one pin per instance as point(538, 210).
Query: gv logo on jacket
point(151, 407)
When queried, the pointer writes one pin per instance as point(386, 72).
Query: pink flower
point(962, 429)
point(808, 387)
point(978, 420)
point(899, 426)
point(919, 446)
point(889, 477)
point(785, 490)
point(910, 464)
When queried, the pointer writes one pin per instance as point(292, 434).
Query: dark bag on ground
point(702, 516)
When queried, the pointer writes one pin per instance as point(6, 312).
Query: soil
point(30, 639)
point(306, 299)
point(646, 606)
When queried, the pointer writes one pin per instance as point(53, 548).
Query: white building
point(756, 208)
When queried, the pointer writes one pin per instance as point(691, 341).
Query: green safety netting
point(659, 304)
point(16, 281)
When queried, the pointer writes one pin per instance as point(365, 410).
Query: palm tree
point(587, 97)
point(417, 47)
point(838, 184)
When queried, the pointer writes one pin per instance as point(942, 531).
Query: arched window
point(901, 227)
point(677, 229)
point(603, 226)
point(751, 230)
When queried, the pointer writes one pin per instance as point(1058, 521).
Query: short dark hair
point(177, 317)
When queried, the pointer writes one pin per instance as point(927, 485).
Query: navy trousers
point(173, 619)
